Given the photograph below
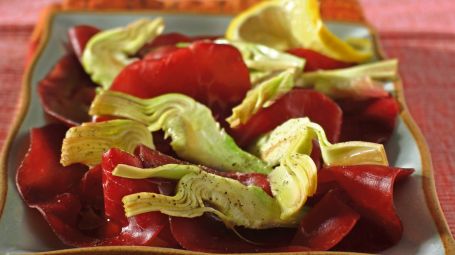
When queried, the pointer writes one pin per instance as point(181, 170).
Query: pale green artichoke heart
point(262, 96)
point(272, 146)
point(353, 81)
point(199, 192)
point(109, 51)
point(85, 144)
point(195, 134)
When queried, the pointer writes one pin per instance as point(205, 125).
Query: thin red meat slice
point(369, 190)
point(317, 61)
point(296, 103)
point(40, 180)
point(371, 120)
point(206, 234)
point(162, 144)
point(316, 154)
point(79, 36)
point(322, 228)
point(115, 188)
point(116, 229)
point(91, 220)
point(62, 213)
point(153, 158)
point(248, 179)
point(91, 189)
point(67, 92)
point(211, 73)
point(326, 224)
point(51, 188)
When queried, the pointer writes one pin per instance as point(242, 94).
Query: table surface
point(420, 33)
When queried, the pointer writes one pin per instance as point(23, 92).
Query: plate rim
point(428, 182)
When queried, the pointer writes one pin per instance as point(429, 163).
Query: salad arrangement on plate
point(266, 140)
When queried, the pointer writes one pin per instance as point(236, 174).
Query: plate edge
point(20, 114)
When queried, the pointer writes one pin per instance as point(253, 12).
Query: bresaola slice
point(206, 234)
point(369, 191)
point(91, 193)
point(326, 224)
point(321, 229)
point(296, 103)
point(67, 92)
point(51, 188)
point(115, 188)
point(371, 120)
point(256, 179)
point(212, 74)
point(62, 214)
point(153, 158)
point(40, 180)
point(142, 229)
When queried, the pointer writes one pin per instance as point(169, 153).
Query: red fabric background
point(421, 34)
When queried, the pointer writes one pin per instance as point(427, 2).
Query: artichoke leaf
point(195, 134)
point(199, 192)
point(274, 145)
point(382, 70)
point(86, 143)
point(366, 80)
point(109, 51)
point(262, 96)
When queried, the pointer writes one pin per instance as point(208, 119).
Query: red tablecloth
point(421, 34)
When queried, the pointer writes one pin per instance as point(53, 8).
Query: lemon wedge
point(285, 24)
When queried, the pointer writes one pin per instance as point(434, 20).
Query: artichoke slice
point(195, 134)
point(262, 96)
point(272, 147)
point(199, 192)
point(86, 143)
point(357, 81)
point(109, 51)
